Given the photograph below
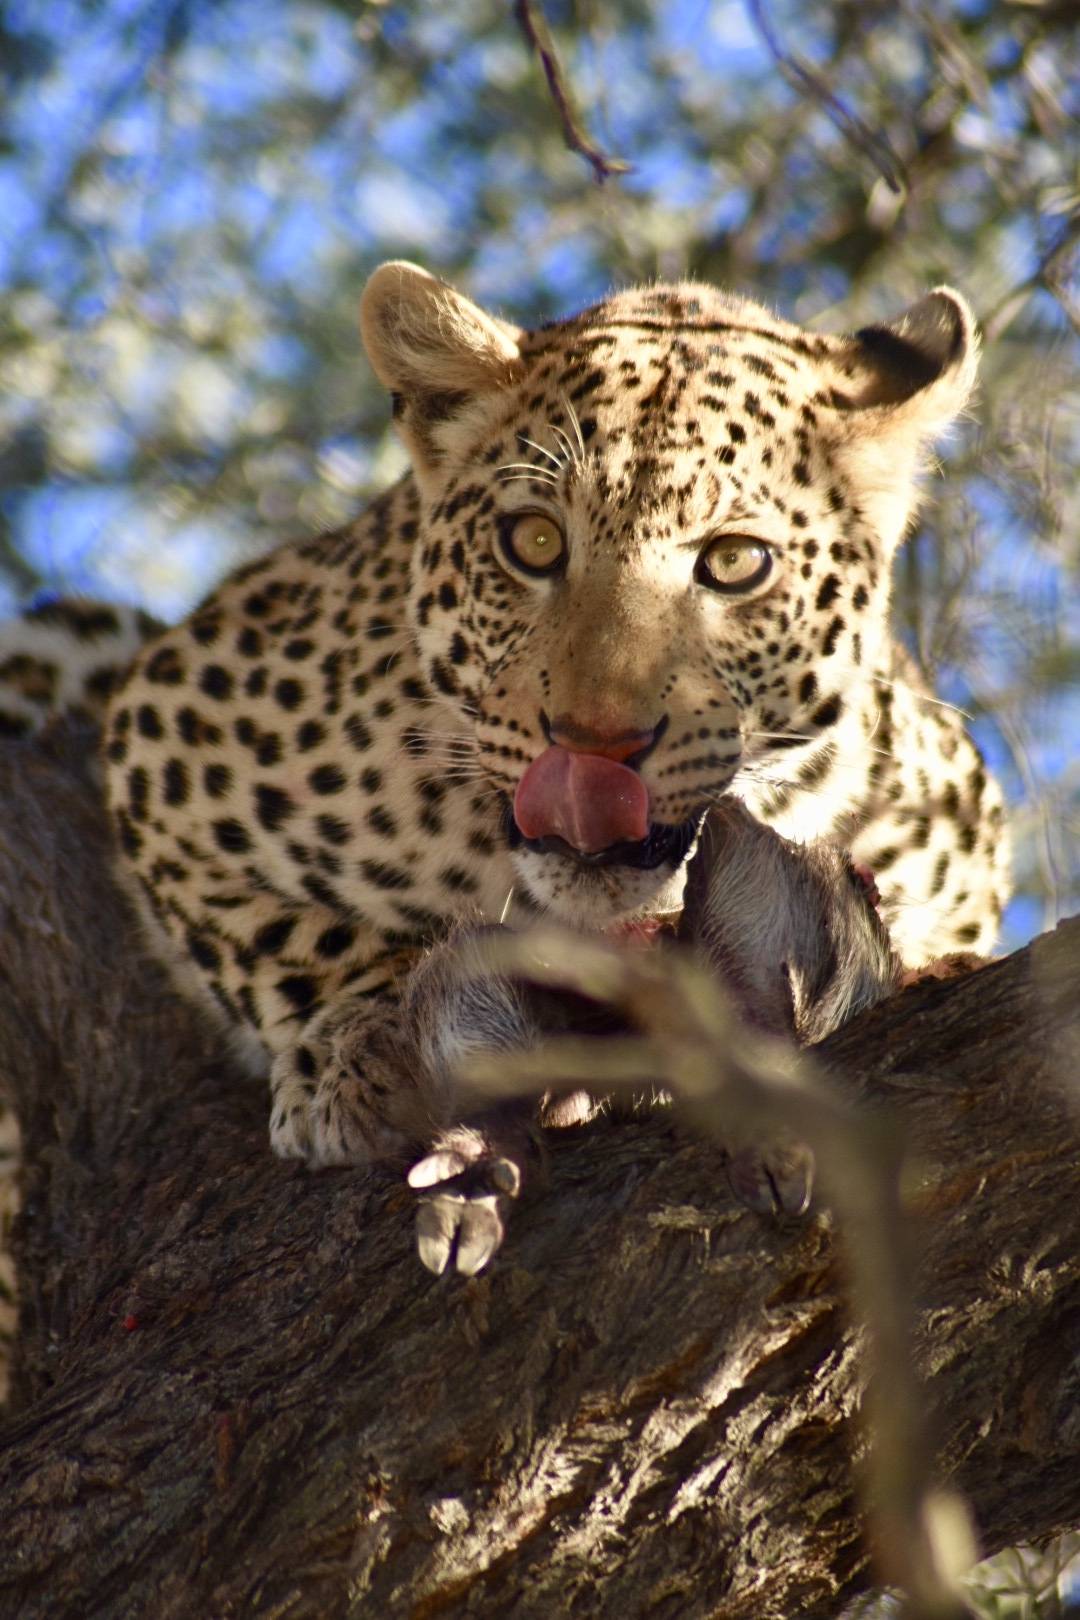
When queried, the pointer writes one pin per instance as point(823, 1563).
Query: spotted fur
point(67, 656)
point(311, 776)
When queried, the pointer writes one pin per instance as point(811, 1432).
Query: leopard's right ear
point(434, 350)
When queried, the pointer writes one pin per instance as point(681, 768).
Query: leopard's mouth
point(662, 845)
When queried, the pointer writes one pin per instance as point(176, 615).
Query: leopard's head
point(654, 553)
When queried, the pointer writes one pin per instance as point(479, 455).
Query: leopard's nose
point(626, 747)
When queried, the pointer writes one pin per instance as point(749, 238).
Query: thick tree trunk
point(238, 1393)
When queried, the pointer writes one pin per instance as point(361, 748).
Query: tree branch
point(731, 1079)
point(240, 1394)
point(537, 33)
point(871, 143)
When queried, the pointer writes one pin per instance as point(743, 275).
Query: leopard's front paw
point(466, 1194)
point(290, 1110)
point(328, 1120)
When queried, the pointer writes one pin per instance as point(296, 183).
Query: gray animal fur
point(789, 928)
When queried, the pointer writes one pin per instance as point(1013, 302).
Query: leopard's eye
point(532, 542)
point(734, 565)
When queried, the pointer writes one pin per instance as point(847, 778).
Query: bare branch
point(238, 1393)
point(1056, 273)
point(871, 143)
point(730, 1078)
point(534, 26)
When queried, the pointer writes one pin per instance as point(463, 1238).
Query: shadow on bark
point(237, 1393)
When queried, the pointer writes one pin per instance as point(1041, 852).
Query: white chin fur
point(594, 897)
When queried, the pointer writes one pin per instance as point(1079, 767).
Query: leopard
point(639, 567)
point(65, 656)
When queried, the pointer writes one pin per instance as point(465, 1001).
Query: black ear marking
point(898, 359)
point(922, 344)
point(928, 355)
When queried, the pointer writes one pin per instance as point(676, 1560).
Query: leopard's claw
point(462, 1212)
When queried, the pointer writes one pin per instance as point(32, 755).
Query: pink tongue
point(590, 801)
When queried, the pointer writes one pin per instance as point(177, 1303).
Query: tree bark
point(237, 1393)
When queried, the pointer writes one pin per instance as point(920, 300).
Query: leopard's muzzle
point(661, 846)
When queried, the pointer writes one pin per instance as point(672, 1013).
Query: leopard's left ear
point(896, 388)
point(916, 371)
point(435, 350)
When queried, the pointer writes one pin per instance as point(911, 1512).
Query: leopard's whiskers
point(550, 454)
point(807, 737)
point(440, 703)
point(513, 471)
point(568, 407)
point(924, 697)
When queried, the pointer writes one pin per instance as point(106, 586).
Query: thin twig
point(1055, 273)
point(870, 142)
point(726, 1075)
point(534, 26)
